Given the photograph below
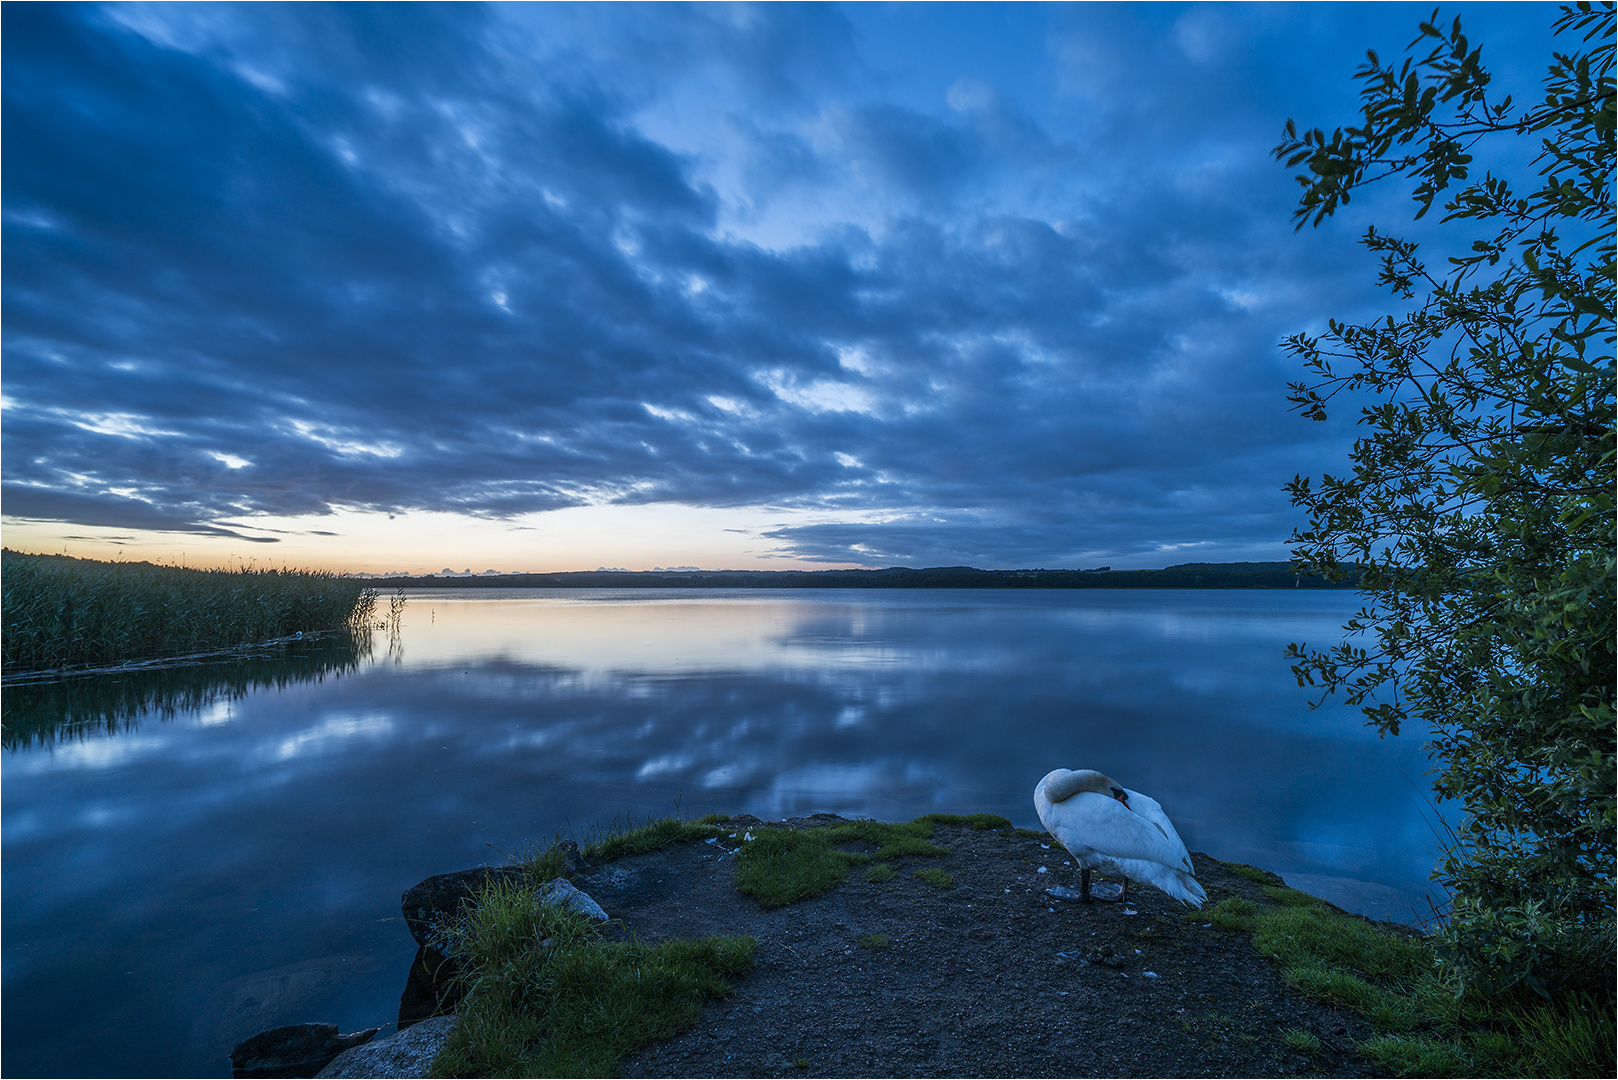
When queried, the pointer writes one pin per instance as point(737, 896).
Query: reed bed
point(60, 612)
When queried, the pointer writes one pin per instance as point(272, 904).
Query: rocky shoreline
point(991, 974)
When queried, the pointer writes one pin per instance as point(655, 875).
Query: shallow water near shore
point(196, 865)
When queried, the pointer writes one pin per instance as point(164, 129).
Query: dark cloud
point(285, 259)
point(40, 504)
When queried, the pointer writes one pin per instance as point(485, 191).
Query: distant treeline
point(1243, 575)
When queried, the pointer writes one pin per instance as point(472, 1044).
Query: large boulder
point(434, 905)
point(431, 988)
point(295, 1050)
point(409, 1053)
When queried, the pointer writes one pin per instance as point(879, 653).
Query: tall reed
point(62, 612)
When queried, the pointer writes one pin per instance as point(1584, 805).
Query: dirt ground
point(988, 976)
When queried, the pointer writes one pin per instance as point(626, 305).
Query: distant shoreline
point(1241, 575)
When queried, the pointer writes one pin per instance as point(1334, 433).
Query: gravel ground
point(988, 976)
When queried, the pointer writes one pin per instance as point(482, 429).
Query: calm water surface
point(222, 852)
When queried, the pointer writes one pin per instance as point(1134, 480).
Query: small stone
point(1042, 870)
point(563, 893)
point(408, 1053)
point(1149, 974)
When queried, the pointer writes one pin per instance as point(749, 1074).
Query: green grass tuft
point(1301, 1040)
point(880, 872)
point(1232, 913)
point(547, 997)
point(655, 835)
point(1392, 978)
point(1408, 1056)
point(874, 941)
point(1573, 1040)
point(938, 879)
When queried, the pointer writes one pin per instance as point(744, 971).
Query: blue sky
point(540, 287)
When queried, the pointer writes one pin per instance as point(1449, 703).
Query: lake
point(194, 855)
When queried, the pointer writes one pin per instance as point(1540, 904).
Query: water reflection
point(173, 887)
point(45, 712)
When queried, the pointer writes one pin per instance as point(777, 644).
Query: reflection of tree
point(41, 713)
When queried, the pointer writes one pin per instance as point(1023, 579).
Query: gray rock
point(434, 905)
point(408, 1053)
point(294, 1050)
point(564, 893)
point(572, 857)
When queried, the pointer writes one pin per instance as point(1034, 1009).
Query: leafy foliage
point(1479, 510)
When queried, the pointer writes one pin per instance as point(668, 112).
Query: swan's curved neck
point(1065, 787)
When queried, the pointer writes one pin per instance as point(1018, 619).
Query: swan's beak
point(1120, 795)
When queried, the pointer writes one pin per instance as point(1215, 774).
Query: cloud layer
point(1002, 287)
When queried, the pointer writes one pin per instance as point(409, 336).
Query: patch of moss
point(980, 822)
point(893, 840)
point(780, 866)
point(874, 941)
point(1253, 873)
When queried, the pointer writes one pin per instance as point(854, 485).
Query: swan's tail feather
point(1192, 892)
point(1177, 883)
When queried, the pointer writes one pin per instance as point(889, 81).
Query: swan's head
point(1062, 784)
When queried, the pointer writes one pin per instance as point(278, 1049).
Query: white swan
point(1109, 828)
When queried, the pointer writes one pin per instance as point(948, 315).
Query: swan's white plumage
point(1136, 841)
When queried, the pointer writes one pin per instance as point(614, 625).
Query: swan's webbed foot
point(1104, 890)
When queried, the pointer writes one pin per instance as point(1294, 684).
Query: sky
point(381, 288)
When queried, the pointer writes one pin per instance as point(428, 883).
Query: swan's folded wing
point(1149, 808)
point(1109, 828)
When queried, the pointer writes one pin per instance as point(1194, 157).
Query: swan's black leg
point(1123, 894)
point(1084, 884)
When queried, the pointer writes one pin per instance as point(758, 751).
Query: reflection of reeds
point(41, 713)
point(61, 612)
